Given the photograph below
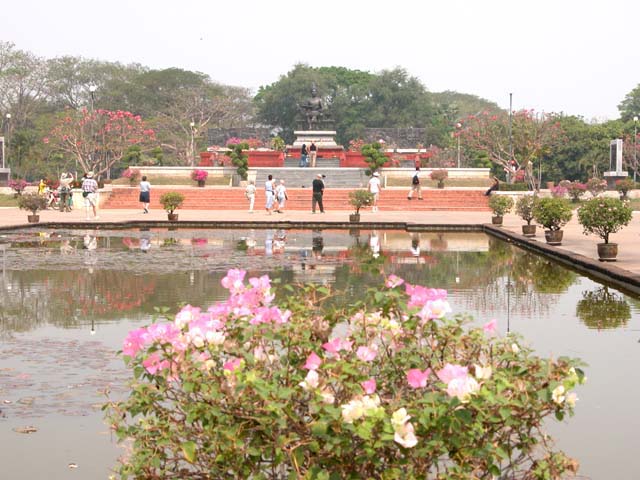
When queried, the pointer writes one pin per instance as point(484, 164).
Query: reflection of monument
point(314, 123)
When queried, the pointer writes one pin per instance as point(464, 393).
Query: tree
point(99, 139)
point(630, 106)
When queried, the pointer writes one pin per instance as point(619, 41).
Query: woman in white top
point(374, 188)
point(250, 193)
point(145, 194)
point(281, 196)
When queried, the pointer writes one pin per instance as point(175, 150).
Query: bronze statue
point(312, 109)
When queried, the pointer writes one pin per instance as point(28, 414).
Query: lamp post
point(192, 147)
point(7, 129)
point(458, 126)
point(635, 146)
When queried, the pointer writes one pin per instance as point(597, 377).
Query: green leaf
point(189, 451)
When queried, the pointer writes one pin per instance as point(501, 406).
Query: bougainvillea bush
point(392, 387)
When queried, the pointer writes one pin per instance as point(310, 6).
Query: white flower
point(311, 381)
point(463, 388)
point(215, 337)
point(558, 394)
point(399, 418)
point(483, 373)
point(327, 397)
point(571, 399)
point(405, 436)
point(515, 348)
point(352, 411)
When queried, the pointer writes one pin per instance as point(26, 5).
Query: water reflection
point(602, 309)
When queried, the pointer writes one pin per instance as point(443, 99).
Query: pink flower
point(334, 346)
point(418, 378)
point(490, 327)
point(234, 280)
point(134, 342)
point(232, 364)
point(313, 362)
point(394, 281)
point(449, 372)
point(369, 386)
point(367, 354)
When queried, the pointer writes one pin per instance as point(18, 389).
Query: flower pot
point(440, 184)
point(529, 230)
point(496, 220)
point(33, 218)
point(553, 237)
point(354, 217)
point(607, 252)
point(173, 217)
point(201, 183)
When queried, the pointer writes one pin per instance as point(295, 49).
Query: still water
point(67, 300)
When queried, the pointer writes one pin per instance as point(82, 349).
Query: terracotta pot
point(201, 183)
point(529, 230)
point(173, 217)
point(440, 184)
point(607, 252)
point(553, 237)
point(354, 217)
point(33, 218)
point(496, 220)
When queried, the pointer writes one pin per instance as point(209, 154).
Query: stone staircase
point(296, 177)
point(232, 198)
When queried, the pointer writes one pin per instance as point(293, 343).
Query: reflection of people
point(268, 243)
point(279, 241)
point(250, 193)
point(415, 185)
point(89, 189)
point(145, 194)
point(281, 196)
point(374, 188)
point(317, 243)
point(494, 186)
point(415, 244)
point(89, 242)
point(374, 244)
point(313, 154)
point(318, 191)
point(145, 241)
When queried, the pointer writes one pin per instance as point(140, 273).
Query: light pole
point(92, 91)
point(458, 126)
point(635, 146)
point(192, 148)
point(6, 152)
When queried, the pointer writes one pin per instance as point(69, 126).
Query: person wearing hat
point(89, 189)
point(374, 188)
point(318, 191)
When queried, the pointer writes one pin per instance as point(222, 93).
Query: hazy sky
point(576, 57)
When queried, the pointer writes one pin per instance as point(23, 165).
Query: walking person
point(374, 188)
point(281, 196)
point(303, 156)
point(250, 193)
point(415, 185)
point(313, 154)
point(270, 194)
point(494, 186)
point(145, 194)
point(89, 190)
point(318, 191)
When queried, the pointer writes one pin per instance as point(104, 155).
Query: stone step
point(300, 199)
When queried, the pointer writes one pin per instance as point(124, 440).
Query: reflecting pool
point(68, 298)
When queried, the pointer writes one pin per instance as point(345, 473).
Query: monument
point(615, 164)
point(314, 124)
point(5, 171)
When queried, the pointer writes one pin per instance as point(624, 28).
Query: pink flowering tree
point(393, 387)
point(532, 136)
point(98, 139)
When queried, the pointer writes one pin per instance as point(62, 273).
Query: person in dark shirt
point(318, 190)
point(313, 154)
point(303, 156)
point(494, 186)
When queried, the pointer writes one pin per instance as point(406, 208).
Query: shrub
point(32, 202)
point(559, 191)
point(374, 156)
point(604, 216)
point(248, 389)
point(132, 174)
point(514, 187)
point(576, 190)
point(171, 201)
point(199, 175)
point(439, 175)
point(500, 204)
point(596, 186)
point(238, 158)
point(17, 185)
point(278, 143)
point(624, 185)
point(524, 207)
point(360, 198)
point(552, 213)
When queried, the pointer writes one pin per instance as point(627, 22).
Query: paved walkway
point(574, 241)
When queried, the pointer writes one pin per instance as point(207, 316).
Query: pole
point(635, 147)
point(510, 126)
point(458, 125)
point(6, 140)
point(192, 147)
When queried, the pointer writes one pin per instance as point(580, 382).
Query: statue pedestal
point(612, 177)
point(324, 139)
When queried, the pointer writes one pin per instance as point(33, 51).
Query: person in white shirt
point(415, 185)
point(89, 191)
point(281, 196)
point(374, 188)
point(250, 193)
point(145, 194)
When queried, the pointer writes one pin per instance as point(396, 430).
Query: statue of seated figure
point(312, 109)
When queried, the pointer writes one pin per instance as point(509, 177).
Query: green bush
point(171, 201)
point(624, 185)
point(239, 159)
point(604, 216)
point(552, 213)
point(514, 187)
point(524, 207)
point(32, 202)
point(248, 389)
point(374, 156)
point(500, 204)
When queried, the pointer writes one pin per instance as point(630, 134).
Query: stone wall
point(401, 137)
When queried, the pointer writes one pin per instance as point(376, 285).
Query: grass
point(8, 201)
point(167, 180)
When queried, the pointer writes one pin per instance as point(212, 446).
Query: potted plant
point(524, 209)
point(439, 176)
point(604, 216)
point(624, 185)
point(553, 214)
point(576, 190)
point(359, 199)
point(499, 204)
point(199, 176)
point(32, 202)
point(596, 186)
point(170, 202)
point(238, 159)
